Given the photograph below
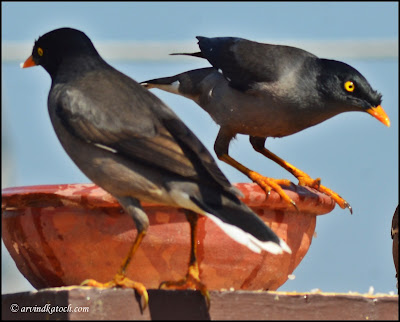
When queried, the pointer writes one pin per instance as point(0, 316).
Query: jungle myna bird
point(131, 144)
point(394, 233)
point(265, 90)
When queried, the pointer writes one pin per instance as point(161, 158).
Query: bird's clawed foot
point(306, 180)
point(269, 184)
point(190, 281)
point(120, 280)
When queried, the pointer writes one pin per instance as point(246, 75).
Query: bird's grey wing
point(137, 125)
point(194, 150)
point(244, 62)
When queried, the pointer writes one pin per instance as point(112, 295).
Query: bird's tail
point(241, 224)
point(168, 84)
point(187, 84)
point(198, 54)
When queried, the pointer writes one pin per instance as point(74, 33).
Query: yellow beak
point(379, 114)
point(28, 63)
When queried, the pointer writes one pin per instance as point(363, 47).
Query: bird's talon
point(294, 205)
point(207, 297)
point(162, 285)
point(86, 282)
point(94, 283)
point(347, 205)
point(144, 298)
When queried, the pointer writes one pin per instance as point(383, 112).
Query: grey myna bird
point(131, 144)
point(394, 233)
point(265, 90)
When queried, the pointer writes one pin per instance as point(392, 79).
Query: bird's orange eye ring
point(349, 86)
point(40, 52)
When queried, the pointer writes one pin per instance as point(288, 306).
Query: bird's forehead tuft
point(366, 90)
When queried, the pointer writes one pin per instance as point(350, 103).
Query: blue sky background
point(353, 153)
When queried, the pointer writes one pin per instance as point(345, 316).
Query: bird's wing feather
point(135, 124)
point(244, 62)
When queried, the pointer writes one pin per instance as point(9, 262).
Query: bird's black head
point(58, 46)
point(345, 88)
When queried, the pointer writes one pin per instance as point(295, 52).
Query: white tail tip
point(249, 240)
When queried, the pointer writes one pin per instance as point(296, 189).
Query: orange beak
point(379, 114)
point(28, 63)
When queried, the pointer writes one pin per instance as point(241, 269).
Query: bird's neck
point(74, 67)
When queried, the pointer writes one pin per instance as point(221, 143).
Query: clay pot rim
point(89, 195)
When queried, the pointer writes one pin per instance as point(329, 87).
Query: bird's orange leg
point(305, 179)
point(120, 279)
point(265, 183)
point(192, 278)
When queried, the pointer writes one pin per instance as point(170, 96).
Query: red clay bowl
point(60, 235)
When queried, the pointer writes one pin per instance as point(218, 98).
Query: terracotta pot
point(60, 235)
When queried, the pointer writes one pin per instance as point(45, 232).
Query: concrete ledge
point(122, 304)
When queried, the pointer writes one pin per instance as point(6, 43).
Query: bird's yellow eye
point(40, 52)
point(349, 86)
